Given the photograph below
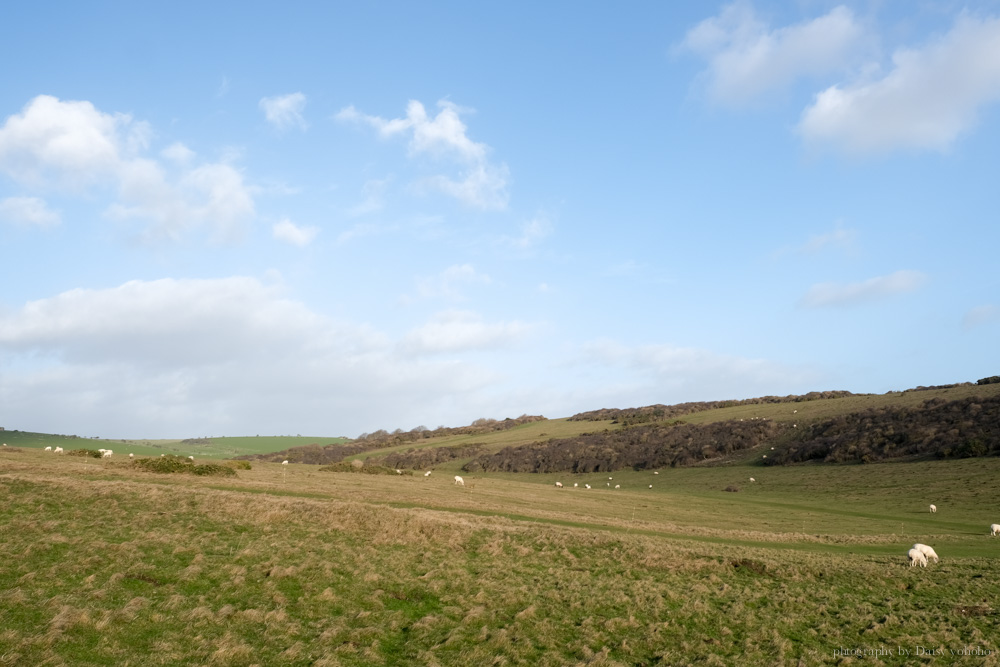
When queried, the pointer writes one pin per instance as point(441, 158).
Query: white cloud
point(748, 59)
point(834, 294)
point(179, 358)
point(373, 193)
point(480, 183)
point(930, 97)
point(285, 111)
point(460, 331)
point(841, 238)
point(533, 232)
point(287, 231)
point(28, 211)
point(70, 144)
point(449, 284)
point(689, 374)
point(981, 316)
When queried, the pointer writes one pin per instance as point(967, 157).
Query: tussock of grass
point(177, 464)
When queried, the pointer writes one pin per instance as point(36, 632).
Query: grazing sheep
point(131, 455)
point(190, 458)
point(587, 485)
point(916, 558)
point(618, 486)
point(558, 485)
point(427, 474)
point(398, 471)
point(575, 485)
point(650, 486)
point(933, 509)
point(459, 480)
point(927, 551)
point(107, 453)
point(58, 450)
point(752, 479)
point(48, 449)
point(656, 472)
point(285, 462)
point(994, 529)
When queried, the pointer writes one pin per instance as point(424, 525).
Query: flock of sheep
point(919, 554)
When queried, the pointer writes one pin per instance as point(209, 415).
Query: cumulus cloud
point(72, 145)
point(285, 111)
point(287, 231)
point(189, 357)
point(930, 96)
point(748, 59)
point(834, 294)
point(30, 211)
point(459, 331)
point(480, 184)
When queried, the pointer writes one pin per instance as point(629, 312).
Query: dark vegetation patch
point(656, 413)
point(417, 459)
point(732, 488)
point(176, 464)
point(938, 428)
point(644, 447)
point(749, 565)
point(92, 453)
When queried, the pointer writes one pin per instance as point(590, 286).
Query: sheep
point(107, 453)
point(459, 481)
point(131, 455)
point(618, 486)
point(285, 462)
point(48, 449)
point(933, 509)
point(190, 458)
point(650, 486)
point(398, 471)
point(575, 485)
point(994, 529)
point(559, 485)
point(587, 485)
point(927, 551)
point(656, 472)
point(58, 450)
point(916, 558)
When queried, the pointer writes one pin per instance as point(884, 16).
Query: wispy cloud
point(450, 284)
point(748, 59)
point(287, 231)
point(835, 294)
point(30, 211)
point(480, 184)
point(459, 331)
point(285, 111)
point(930, 97)
point(981, 316)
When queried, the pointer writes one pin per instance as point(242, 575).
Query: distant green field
point(214, 448)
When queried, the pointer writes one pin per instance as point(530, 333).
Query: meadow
point(288, 565)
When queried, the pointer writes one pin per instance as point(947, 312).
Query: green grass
point(286, 565)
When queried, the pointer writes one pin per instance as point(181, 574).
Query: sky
point(331, 218)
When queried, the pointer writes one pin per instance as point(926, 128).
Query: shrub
point(239, 465)
point(345, 466)
point(177, 464)
point(92, 453)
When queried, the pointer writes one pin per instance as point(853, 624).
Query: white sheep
point(285, 462)
point(398, 471)
point(190, 458)
point(994, 529)
point(927, 551)
point(131, 455)
point(559, 485)
point(916, 558)
point(58, 450)
point(427, 474)
point(933, 509)
point(587, 485)
point(575, 485)
point(656, 472)
point(618, 486)
point(650, 486)
point(752, 479)
point(48, 449)
point(459, 481)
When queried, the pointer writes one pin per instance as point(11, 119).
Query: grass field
point(288, 565)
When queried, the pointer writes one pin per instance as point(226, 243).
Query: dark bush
point(92, 453)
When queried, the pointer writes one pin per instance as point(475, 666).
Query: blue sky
point(320, 219)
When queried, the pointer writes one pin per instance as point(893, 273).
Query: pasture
point(289, 565)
